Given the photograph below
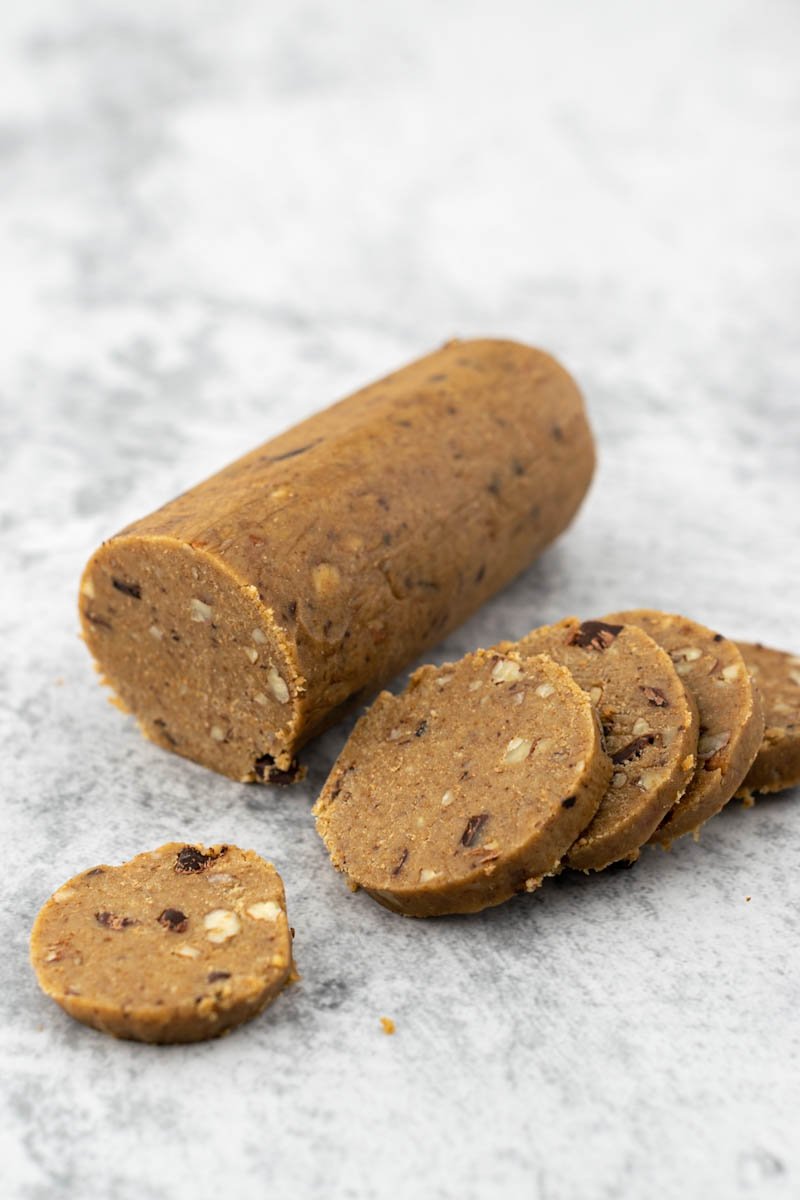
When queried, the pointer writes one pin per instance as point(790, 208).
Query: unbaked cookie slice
point(178, 945)
point(650, 726)
point(731, 716)
point(777, 676)
point(468, 787)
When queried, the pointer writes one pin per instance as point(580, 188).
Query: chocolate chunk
point(128, 589)
point(717, 637)
point(112, 921)
point(473, 828)
point(421, 728)
point(569, 802)
point(633, 749)
point(213, 976)
point(401, 862)
point(174, 919)
point(94, 871)
point(267, 772)
point(190, 860)
point(595, 634)
point(656, 697)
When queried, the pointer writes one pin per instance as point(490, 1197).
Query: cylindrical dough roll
point(244, 616)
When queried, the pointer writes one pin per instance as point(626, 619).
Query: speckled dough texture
point(467, 788)
point(649, 722)
point(180, 944)
point(730, 710)
point(777, 677)
point(250, 612)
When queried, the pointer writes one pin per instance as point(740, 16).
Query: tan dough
point(777, 676)
point(467, 788)
point(650, 726)
point(180, 944)
point(731, 715)
point(246, 615)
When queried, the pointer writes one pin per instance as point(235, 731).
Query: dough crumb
point(388, 1026)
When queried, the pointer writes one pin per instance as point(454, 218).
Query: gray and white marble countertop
point(217, 217)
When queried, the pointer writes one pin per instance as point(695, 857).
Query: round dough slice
point(731, 716)
point(650, 726)
point(178, 945)
point(777, 676)
point(468, 787)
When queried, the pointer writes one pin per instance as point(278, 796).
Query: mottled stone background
point(217, 217)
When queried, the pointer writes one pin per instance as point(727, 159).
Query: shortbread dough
point(178, 945)
point(249, 613)
point(650, 725)
point(731, 716)
point(468, 787)
point(777, 676)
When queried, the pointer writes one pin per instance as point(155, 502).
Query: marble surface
point(215, 218)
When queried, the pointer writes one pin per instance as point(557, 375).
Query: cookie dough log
point(177, 945)
point(777, 676)
point(730, 711)
point(650, 725)
point(468, 787)
point(243, 617)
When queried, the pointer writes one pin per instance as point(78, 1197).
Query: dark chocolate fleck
point(128, 589)
point(481, 571)
point(473, 828)
point(597, 635)
point(558, 433)
point(267, 772)
point(213, 976)
point(189, 860)
point(633, 749)
point(173, 919)
point(717, 637)
point(95, 620)
point(273, 458)
point(292, 608)
point(656, 697)
point(517, 467)
point(493, 485)
point(400, 863)
point(112, 921)
point(569, 802)
point(421, 728)
point(94, 871)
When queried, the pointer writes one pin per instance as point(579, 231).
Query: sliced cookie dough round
point(650, 726)
point(777, 677)
point(468, 787)
point(731, 716)
point(178, 945)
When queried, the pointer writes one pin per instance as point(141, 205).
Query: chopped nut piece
point(730, 672)
point(277, 685)
point(260, 698)
point(687, 653)
point(447, 799)
point(709, 743)
point(649, 779)
point(259, 636)
point(187, 952)
point(264, 910)
point(63, 894)
point(619, 779)
point(221, 924)
point(217, 733)
point(475, 685)
point(544, 690)
point(200, 611)
point(505, 670)
point(326, 579)
point(595, 695)
point(426, 875)
point(155, 632)
point(87, 588)
point(641, 726)
point(517, 750)
point(251, 654)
